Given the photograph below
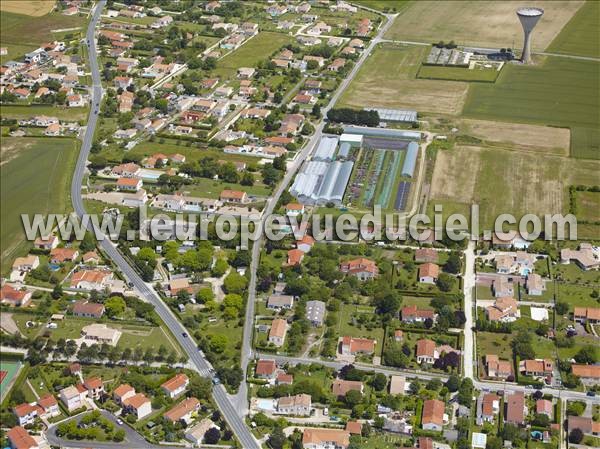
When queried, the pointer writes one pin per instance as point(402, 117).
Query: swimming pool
point(267, 405)
point(150, 175)
point(525, 271)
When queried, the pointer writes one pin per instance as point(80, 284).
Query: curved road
point(221, 398)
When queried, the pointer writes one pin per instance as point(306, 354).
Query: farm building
point(395, 115)
point(326, 149)
point(381, 132)
point(322, 182)
point(344, 150)
point(354, 140)
point(411, 159)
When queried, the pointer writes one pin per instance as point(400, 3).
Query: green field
point(35, 178)
point(588, 205)
point(581, 36)
point(383, 5)
point(557, 92)
point(27, 111)
point(251, 52)
point(457, 74)
point(21, 33)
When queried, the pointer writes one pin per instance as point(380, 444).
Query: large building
point(322, 182)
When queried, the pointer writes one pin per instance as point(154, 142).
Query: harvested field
point(397, 87)
point(545, 139)
point(481, 23)
point(502, 181)
point(34, 8)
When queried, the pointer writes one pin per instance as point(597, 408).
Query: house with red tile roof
point(278, 331)
point(426, 351)
point(175, 385)
point(266, 369)
point(61, 255)
point(340, 387)
point(433, 415)
point(361, 267)
point(426, 255)
point(19, 438)
point(139, 405)
point(429, 273)
point(412, 314)
point(183, 411)
point(353, 346)
point(14, 297)
point(88, 309)
point(94, 386)
point(123, 392)
point(294, 257)
point(496, 368)
point(318, 438)
point(515, 409)
point(233, 196)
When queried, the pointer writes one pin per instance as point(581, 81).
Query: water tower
point(529, 17)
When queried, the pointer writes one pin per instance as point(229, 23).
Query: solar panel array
point(402, 195)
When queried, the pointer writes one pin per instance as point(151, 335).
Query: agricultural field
point(34, 8)
point(28, 111)
point(581, 36)
point(502, 181)
point(383, 5)
point(555, 92)
point(48, 161)
point(588, 205)
point(534, 138)
point(250, 53)
point(397, 87)
point(21, 33)
point(458, 74)
point(482, 23)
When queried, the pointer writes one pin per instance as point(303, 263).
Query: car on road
point(184, 334)
point(216, 381)
point(120, 421)
point(591, 394)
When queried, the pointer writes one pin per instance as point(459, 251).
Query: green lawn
point(349, 326)
point(251, 52)
point(457, 74)
point(35, 179)
point(581, 36)
point(555, 92)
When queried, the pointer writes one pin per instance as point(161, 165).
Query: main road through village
point(234, 408)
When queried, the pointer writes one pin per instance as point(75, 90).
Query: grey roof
point(383, 132)
point(395, 115)
point(326, 148)
point(411, 159)
point(344, 150)
point(315, 311)
point(322, 182)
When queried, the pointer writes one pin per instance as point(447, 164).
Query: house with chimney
point(496, 368)
point(184, 411)
point(412, 314)
point(434, 416)
point(538, 368)
point(362, 268)
point(354, 346)
point(429, 273)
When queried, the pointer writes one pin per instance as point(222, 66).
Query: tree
point(522, 346)
point(353, 397)
point(453, 383)
point(454, 263)
point(561, 308)
point(88, 243)
point(277, 438)
point(587, 355)
point(379, 381)
point(575, 436)
point(57, 291)
point(115, 305)
point(218, 343)
point(212, 436)
point(235, 283)
point(541, 420)
point(465, 392)
point(493, 442)
point(445, 282)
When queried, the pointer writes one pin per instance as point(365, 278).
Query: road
point(468, 284)
point(242, 396)
point(221, 398)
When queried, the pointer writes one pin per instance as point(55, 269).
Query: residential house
point(362, 268)
point(353, 346)
point(305, 244)
point(502, 287)
point(94, 387)
point(49, 406)
point(488, 407)
point(429, 273)
point(73, 397)
point(294, 257)
point(46, 243)
point(62, 255)
point(177, 285)
point(426, 351)
point(129, 184)
point(139, 405)
point(279, 302)
point(433, 415)
point(317, 438)
point(88, 309)
point(76, 101)
point(294, 209)
point(412, 314)
point(123, 392)
point(278, 331)
point(14, 297)
point(503, 310)
point(539, 368)
point(25, 413)
point(544, 407)
point(426, 255)
point(266, 369)
point(291, 124)
point(397, 384)
point(589, 374)
point(91, 279)
point(515, 410)
point(128, 170)
point(585, 315)
point(175, 385)
point(586, 424)
point(284, 379)
point(195, 434)
point(496, 368)
point(19, 438)
point(299, 405)
point(233, 196)
point(535, 285)
point(27, 263)
point(183, 411)
point(340, 387)
point(336, 65)
point(584, 256)
point(101, 334)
